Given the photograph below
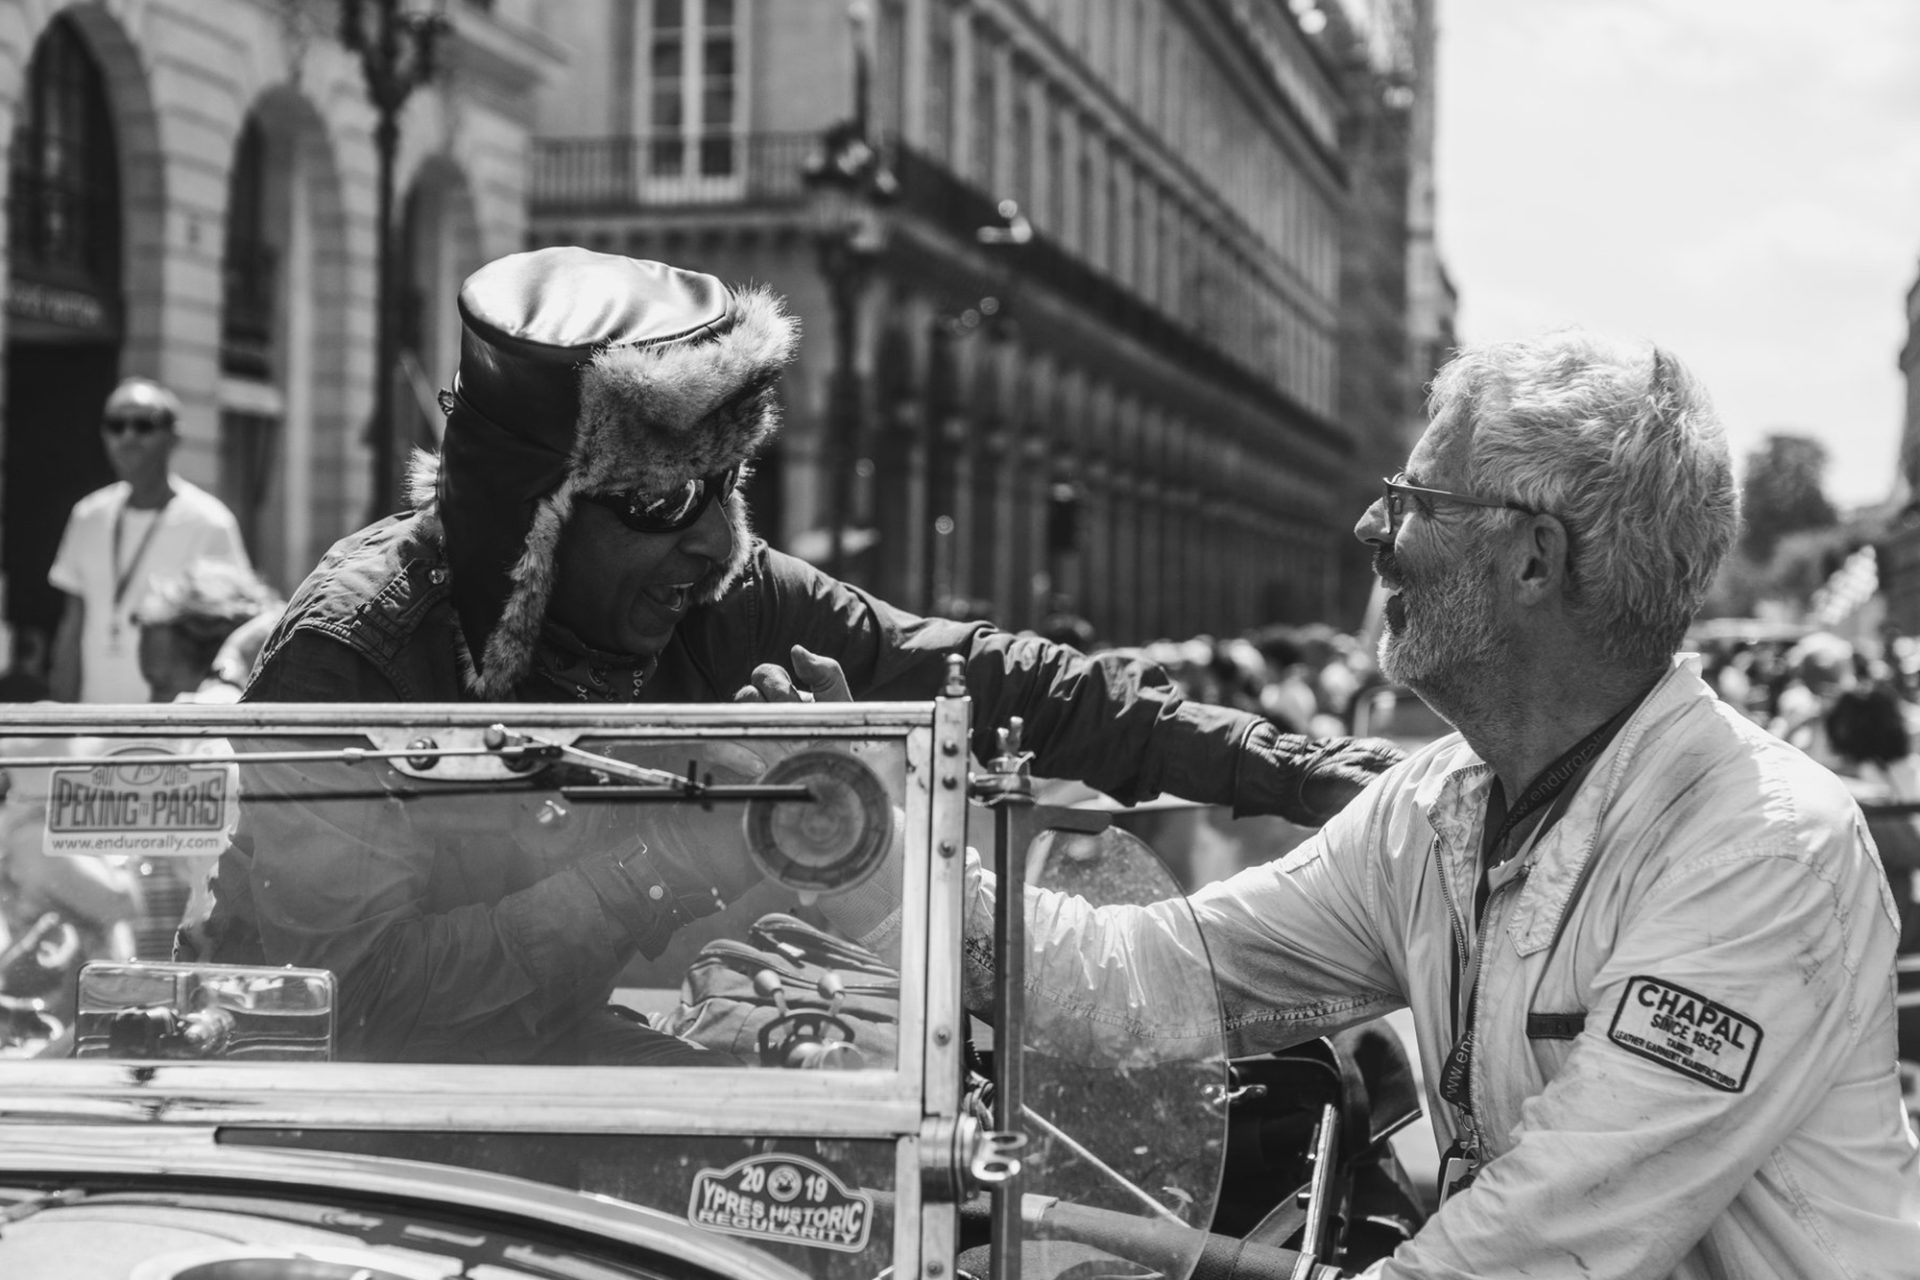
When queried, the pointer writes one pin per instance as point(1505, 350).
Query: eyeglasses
point(1396, 492)
point(678, 508)
point(139, 426)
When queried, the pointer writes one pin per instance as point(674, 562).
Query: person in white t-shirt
point(149, 524)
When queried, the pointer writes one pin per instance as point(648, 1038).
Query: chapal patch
point(1685, 1031)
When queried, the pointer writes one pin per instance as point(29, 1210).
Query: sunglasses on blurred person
point(138, 425)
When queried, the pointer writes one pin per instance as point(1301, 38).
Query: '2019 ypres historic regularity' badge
point(1686, 1032)
point(785, 1198)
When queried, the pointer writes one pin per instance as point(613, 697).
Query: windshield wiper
point(328, 755)
point(511, 744)
point(519, 751)
point(523, 755)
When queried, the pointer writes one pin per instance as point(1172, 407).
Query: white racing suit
point(1693, 1078)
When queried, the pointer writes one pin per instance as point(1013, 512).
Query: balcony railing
point(609, 175)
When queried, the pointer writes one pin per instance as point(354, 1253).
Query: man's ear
point(1542, 551)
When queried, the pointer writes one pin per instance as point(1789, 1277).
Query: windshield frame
point(918, 1094)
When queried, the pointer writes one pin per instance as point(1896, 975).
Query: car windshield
point(455, 934)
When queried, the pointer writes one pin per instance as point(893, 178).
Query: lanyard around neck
point(123, 577)
point(1553, 790)
point(1552, 780)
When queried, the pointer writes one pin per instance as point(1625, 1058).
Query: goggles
point(653, 511)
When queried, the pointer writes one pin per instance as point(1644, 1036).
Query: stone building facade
point(1396, 303)
point(192, 196)
point(1117, 396)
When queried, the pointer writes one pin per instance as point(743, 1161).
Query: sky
point(1738, 180)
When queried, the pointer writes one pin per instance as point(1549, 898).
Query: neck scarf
point(583, 673)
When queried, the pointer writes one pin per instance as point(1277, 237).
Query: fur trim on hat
point(654, 417)
point(423, 485)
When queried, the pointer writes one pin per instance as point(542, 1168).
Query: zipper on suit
point(1477, 964)
point(1483, 930)
point(1469, 1129)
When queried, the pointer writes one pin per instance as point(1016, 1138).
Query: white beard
point(1448, 628)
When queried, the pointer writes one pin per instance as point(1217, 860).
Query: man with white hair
point(1648, 948)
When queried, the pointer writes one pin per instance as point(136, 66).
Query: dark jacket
point(490, 952)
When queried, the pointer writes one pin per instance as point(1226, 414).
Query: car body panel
point(155, 1158)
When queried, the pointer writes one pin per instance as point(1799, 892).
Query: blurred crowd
point(1855, 707)
point(1309, 679)
point(1305, 678)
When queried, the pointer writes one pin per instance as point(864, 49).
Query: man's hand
point(1338, 769)
point(821, 680)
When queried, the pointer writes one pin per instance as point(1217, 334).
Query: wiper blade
point(702, 792)
point(511, 743)
point(328, 755)
point(520, 756)
point(655, 784)
point(516, 750)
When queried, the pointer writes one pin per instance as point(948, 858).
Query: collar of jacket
point(1453, 801)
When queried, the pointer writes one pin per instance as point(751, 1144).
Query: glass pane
point(466, 911)
point(716, 106)
point(719, 56)
point(666, 60)
point(940, 90)
point(666, 14)
point(719, 13)
point(668, 107)
point(1056, 173)
point(1092, 1088)
point(716, 156)
point(665, 156)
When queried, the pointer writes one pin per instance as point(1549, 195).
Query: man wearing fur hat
point(581, 537)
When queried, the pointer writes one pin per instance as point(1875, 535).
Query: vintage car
point(373, 1096)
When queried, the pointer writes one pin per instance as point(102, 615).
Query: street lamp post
point(397, 57)
point(849, 181)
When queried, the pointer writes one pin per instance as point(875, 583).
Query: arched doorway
point(64, 316)
point(282, 440)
